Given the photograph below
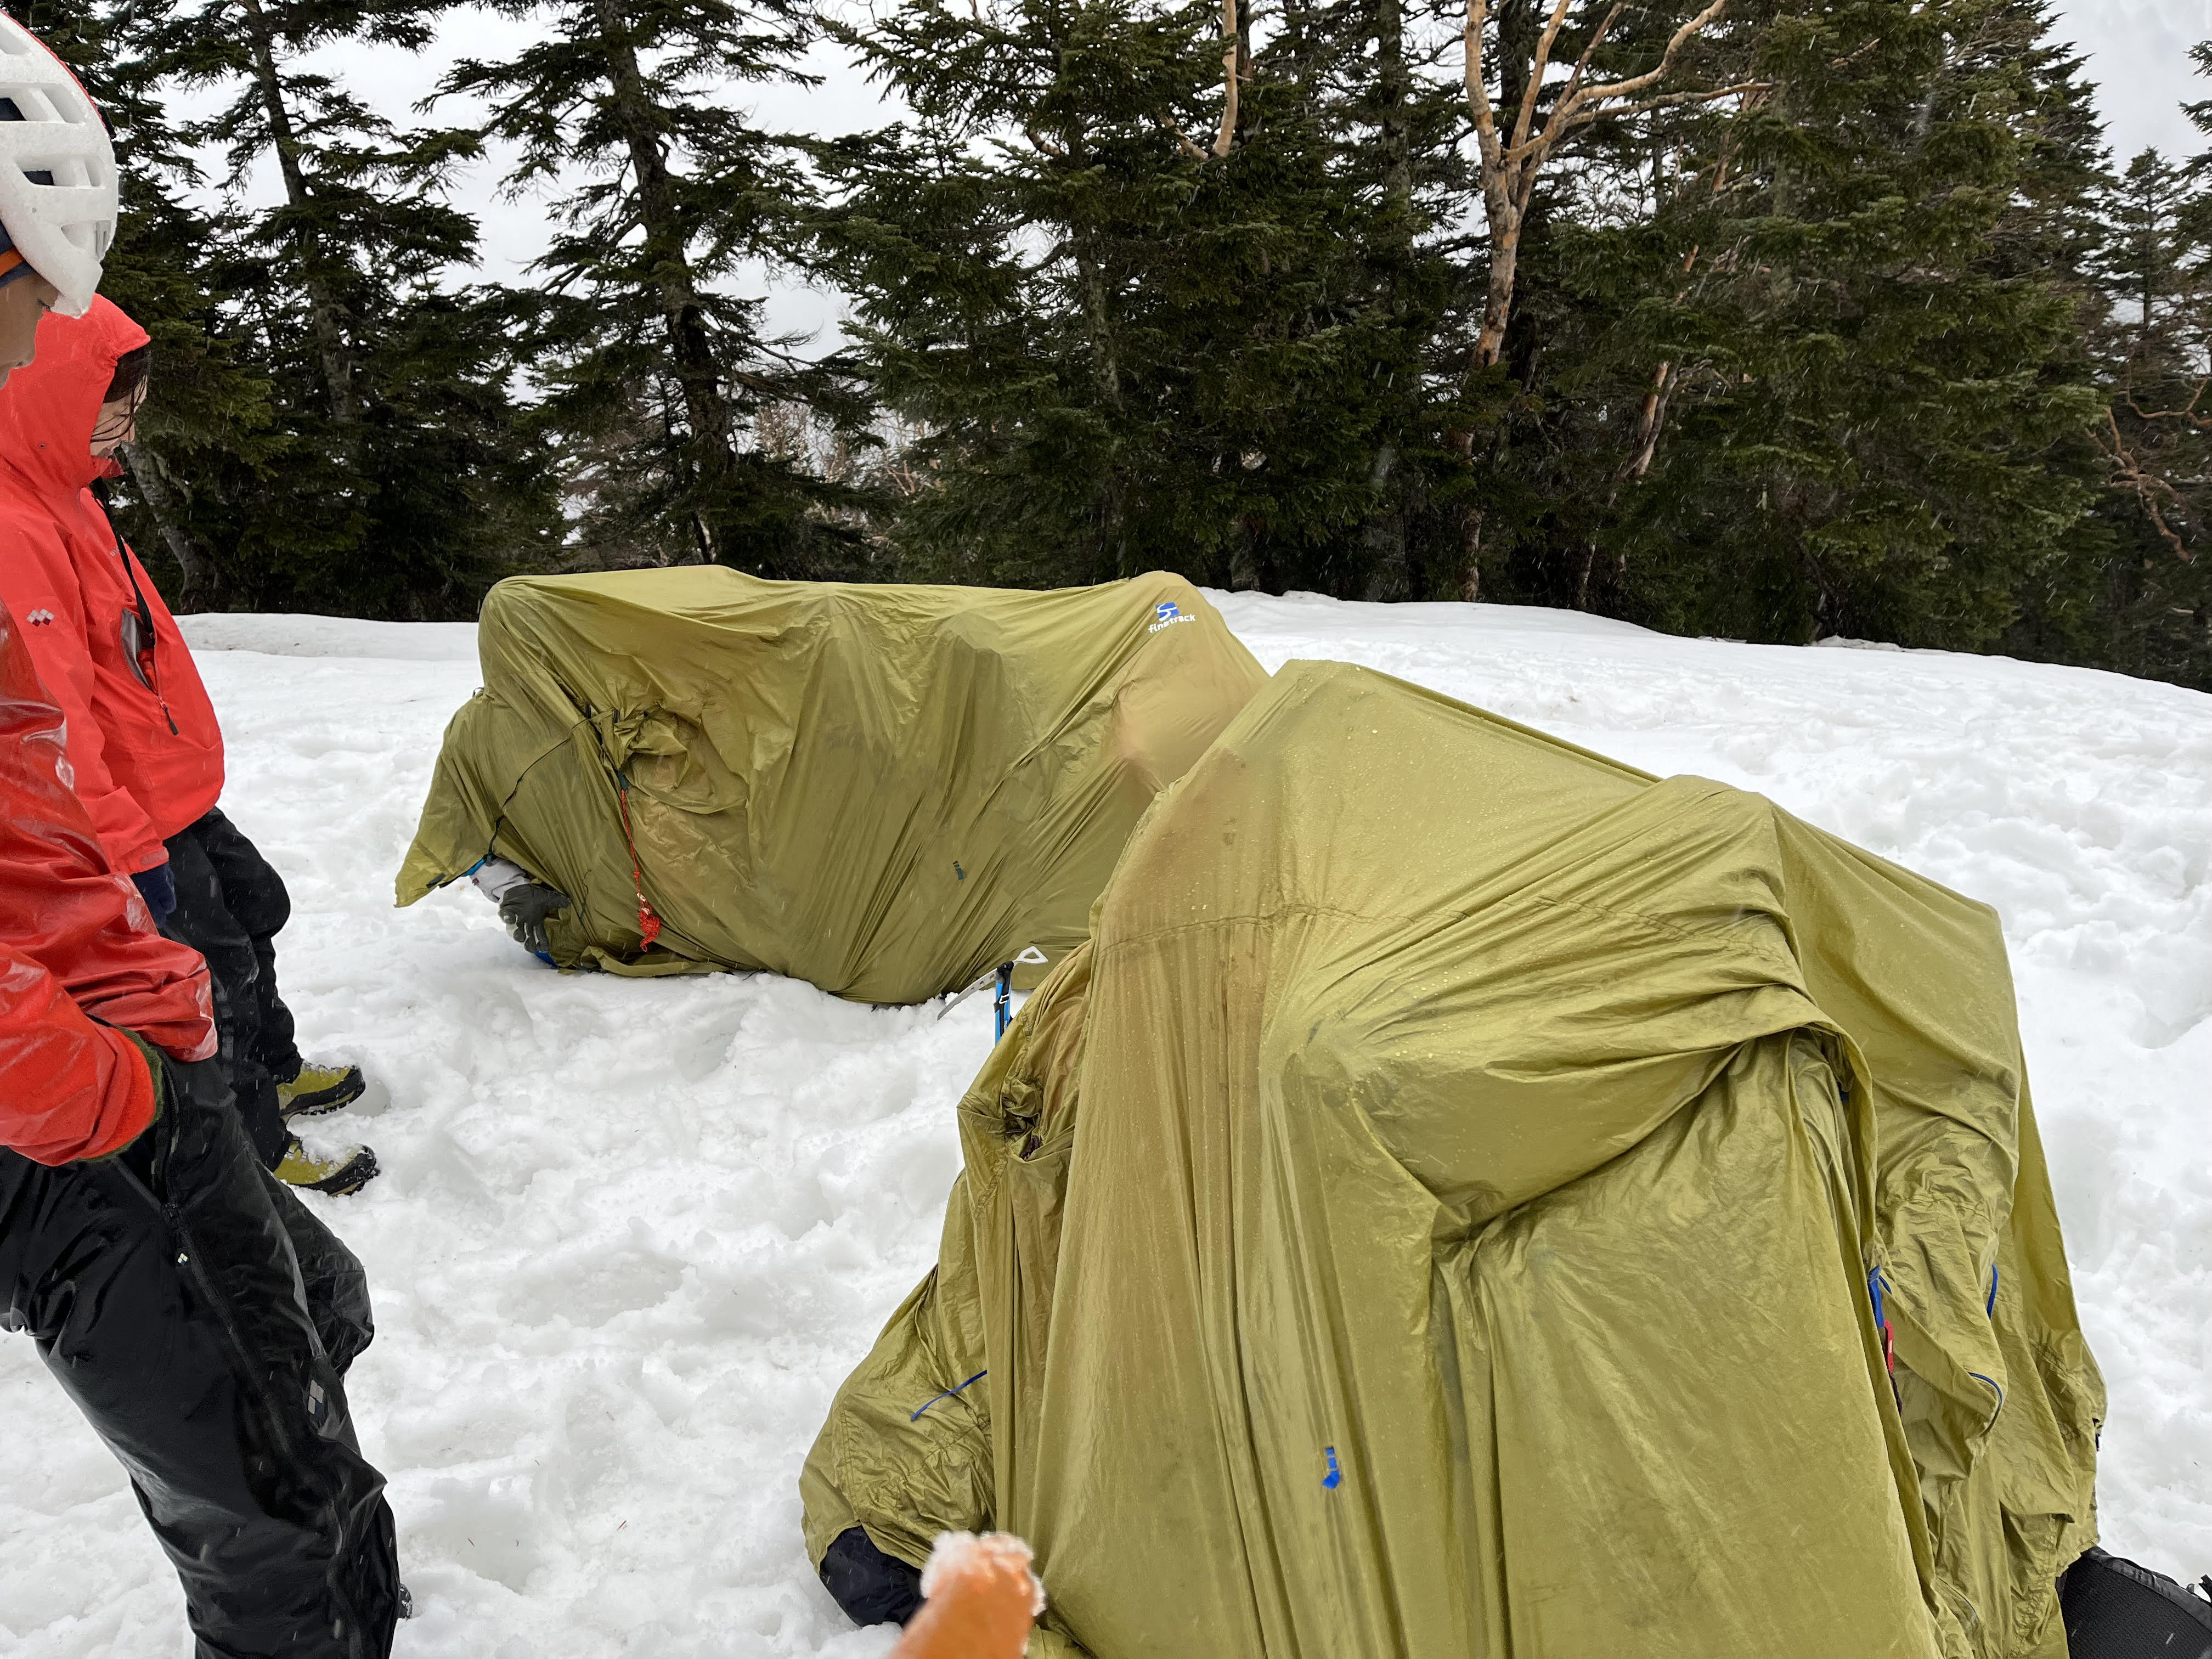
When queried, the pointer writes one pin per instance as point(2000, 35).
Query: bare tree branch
point(1510, 165)
point(1676, 100)
point(1183, 141)
point(2129, 474)
point(1227, 134)
point(2187, 412)
point(1543, 62)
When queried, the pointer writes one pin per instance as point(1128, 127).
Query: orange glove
point(979, 1600)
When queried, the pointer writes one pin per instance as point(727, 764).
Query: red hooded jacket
point(76, 947)
point(143, 738)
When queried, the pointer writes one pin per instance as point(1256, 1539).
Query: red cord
point(649, 924)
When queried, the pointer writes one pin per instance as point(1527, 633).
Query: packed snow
point(632, 1234)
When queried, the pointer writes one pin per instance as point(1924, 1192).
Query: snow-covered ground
point(632, 1234)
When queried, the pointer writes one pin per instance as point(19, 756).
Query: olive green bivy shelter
point(884, 790)
point(1440, 1214)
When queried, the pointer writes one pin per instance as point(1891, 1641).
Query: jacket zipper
point(153, 639)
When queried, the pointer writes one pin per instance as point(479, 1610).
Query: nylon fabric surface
point(1435, 1215)
point(231, 905)
point(79, 957)
point(143, 742)
point(202, 1320)
point(883, 790)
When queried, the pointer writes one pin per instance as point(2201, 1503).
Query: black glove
point(524, 909)
point(159, 889)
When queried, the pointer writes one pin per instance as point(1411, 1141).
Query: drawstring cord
point(649, 923)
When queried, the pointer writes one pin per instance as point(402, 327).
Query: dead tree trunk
point(203, 581)
point(1510, 158)
point(1511, 162)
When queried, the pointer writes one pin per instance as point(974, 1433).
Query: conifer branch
point(2186, 412)
point(1659, 72)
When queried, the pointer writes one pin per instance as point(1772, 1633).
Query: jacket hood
point(49, 407)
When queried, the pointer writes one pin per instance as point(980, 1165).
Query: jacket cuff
point(141, 1097)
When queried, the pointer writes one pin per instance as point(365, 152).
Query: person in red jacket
point(144, 740)
point(199, 1316)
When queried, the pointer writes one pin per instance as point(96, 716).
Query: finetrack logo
point(40, 618)
point(1169, 613)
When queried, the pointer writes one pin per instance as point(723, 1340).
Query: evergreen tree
point(1127, 347)
point(2147, 608)
point(1838, 325)
point(1835, 380)
point(170, 269)
point(654, 370)
point(392, 476)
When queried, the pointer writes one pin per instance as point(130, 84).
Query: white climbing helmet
point(57, 169)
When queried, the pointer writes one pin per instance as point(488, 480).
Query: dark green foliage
point(1816, 359)
point(1875, 343)
point(2148, 607)
point(1834, 382)
point(169, 268)
point(1123, 350)
point(654, 374)
point(329, 426)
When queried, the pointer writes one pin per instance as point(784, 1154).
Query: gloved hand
point(159, 889)
point(524, 909)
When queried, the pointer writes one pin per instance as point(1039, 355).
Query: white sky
point(2137, 52)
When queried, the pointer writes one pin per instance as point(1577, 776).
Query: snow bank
point(329, 636)
point(633, 1233)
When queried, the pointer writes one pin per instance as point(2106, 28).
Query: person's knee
point(252, 890)
point(259, 901)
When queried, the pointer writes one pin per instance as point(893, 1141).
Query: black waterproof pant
point(231, 905)
point(201, 1318)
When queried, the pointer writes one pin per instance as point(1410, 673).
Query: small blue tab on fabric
point(1334, 1478)
point(1992, 1308)
point(1994, 1385)
point(947, 1394)
point(958, 874)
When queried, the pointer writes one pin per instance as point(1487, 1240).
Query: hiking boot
point(344, 1172)
point(319, 1089)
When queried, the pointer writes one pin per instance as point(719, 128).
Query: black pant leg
point(258, 899)
point(174, 1319)
point(336, 1283)
point(204, 920)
